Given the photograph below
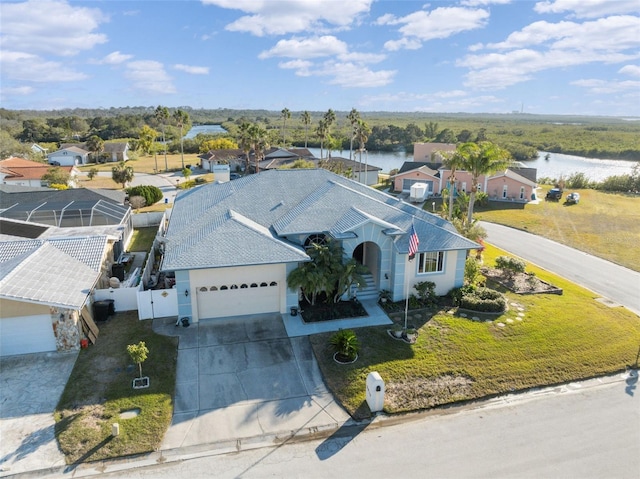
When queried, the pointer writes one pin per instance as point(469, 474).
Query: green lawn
point(603, 224)
point(142, 239)
point(557, 339)
point(100, 389)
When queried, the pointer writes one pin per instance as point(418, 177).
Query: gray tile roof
point(289, 202)
point(58, 272)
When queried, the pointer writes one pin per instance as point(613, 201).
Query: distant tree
point(482, 135)
point(464, 136)
point(306, 121)
point(245, 141)
point(361, 133)
point(218, 144)
point(431, 130)
point(147, 138)
point(92, 173)
point(162, 115)
point(56, 176)
point(300, 164)
point(322, 132)
point(181, 118)
point(286, 114)
point(453, 161)
point(446, 136)
point(96, 146)
point(353, 118)
point(259, 143)
point(122, 174)
point(186, 172)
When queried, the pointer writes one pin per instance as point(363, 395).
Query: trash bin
point(117, 271)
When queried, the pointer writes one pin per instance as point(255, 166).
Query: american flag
point(413, 242)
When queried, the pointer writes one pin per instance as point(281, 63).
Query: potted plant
point(345, 345)
point(139, 353)
point(411, 334)
point(397, 330)
point(384, 296)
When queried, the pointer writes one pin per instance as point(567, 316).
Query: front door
point(368, 254)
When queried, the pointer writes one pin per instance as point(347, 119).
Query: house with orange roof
point(21, 172)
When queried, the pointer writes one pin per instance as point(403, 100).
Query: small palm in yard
point(345, 344)
point(139, 353)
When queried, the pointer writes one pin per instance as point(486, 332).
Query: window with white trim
point(431, 262)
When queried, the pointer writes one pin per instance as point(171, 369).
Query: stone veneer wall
point(66, 328)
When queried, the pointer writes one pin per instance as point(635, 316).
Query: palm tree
point(162, 115)
point(286, 114)
point(361, 133)
point(329, 118)
point(306, 121)
point(453, 161)
point(479, 159)
point(322, 132)
point(95, 145)
point(122, 174)
point(181, 118)
point(259, 142)
point(244, 140)
point(353, 118)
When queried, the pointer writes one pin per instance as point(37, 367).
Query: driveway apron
point(244, 378)
point(30, 388)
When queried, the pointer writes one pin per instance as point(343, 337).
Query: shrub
point(471, 270)
point(456, 294)
point(151, 194)
point(510, 265)
point(345, 343)
point(426, 292)
point(484, 300)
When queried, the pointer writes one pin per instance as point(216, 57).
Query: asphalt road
point(616, 283)
point(581, 430)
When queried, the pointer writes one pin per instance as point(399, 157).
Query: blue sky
point(497, 56)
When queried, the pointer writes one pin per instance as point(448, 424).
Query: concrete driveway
point(242, 379)
point(30, 388)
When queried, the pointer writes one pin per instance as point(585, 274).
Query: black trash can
point(117, 270)
point(101, 310)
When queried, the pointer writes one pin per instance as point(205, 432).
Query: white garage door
point(26, 334)
point(238, 300)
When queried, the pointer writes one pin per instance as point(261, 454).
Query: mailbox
point(375, 392)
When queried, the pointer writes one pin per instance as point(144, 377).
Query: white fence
point(125, 299)
point(146, 220)
point(157, 303)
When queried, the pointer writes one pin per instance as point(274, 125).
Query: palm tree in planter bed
point(345, 345)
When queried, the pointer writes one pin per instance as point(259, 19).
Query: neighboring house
point(416, 172)
point(235, 158)
point(45, 288)
point(39, 150)
point(116, 151)
point(515, 183)
point(22, 172)
point(362, 172)
point(232, 245)
point(111, 152)
point(74, 212)
point(428, 152)
point(69, 156)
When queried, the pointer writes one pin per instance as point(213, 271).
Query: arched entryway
point(368, 254)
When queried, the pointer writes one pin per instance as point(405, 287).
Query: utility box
point(375, 392)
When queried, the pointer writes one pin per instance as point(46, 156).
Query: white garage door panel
point(238, 302)
point(26, 334)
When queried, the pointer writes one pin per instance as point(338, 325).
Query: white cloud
point(115, 58)
point(351, 75)
point(149, 76)
point(441, 101)
point(306, 48)
point(302, 67)
point(587, 8)
point(50, 26)
point(442, 22)
point(19, 90)
point(543, 46)
point(597, 86)
point(631, 70)
point(475, 3)
point(292, 16)
point(192, 69)
point(28, 67)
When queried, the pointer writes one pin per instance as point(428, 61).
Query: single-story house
point(69, 156)
point(232, 245)
point(45, 292)
point(116, 151)
point(235, 158)
point(416, 172)
point(22, 172)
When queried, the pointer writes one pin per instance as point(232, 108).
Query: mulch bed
point(322, 311)
point(520, 283)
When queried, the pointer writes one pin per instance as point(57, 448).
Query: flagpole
point(413, 249)
point(406, 294)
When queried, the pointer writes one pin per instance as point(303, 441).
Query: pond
point(205, 130)
point(556, 166)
